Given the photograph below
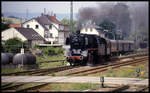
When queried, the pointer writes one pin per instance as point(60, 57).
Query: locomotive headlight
point(81, 57)
point(67, 58)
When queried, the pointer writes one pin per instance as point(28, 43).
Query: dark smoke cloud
point(127, 16)
point(139, 14)
point(96, 14)
point(86, 14)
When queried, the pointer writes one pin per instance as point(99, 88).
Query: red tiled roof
point(15, 25)
point(53, 18)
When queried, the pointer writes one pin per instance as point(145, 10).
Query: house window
point(50, 35)
point(85, 29)
point(36, 26)
point(50, 26)
point(46, 34)
point(28, 26)
point(91, 29)
point(61, 27)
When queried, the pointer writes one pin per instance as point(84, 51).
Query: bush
point(51, 51)
point(13, 45)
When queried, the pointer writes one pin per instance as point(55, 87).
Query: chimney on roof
point(42, 14)
point(55, 15)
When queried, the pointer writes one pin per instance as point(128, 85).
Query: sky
point(57, 7)
point(38, 7)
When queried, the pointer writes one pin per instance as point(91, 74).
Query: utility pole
point(27, 14)
point(22, 52)
point(44, 10)
point(71, 17)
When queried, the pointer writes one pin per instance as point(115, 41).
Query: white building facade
point(11, 33)
point(92, 30)
point(24, 34)
point(47, 26)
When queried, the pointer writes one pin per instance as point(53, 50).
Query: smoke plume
point(127, 16)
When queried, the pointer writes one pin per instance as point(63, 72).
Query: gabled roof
point(46, 20)
point(53, 19)
point(43, 20)
point(100, 30)
point(29, 33)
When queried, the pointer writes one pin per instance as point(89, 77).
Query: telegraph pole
point(27, 14)
point(44, 10)
point(71, 17)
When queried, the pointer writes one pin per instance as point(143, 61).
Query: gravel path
point(72, 79)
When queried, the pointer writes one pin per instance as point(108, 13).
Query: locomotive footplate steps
point(90, 60)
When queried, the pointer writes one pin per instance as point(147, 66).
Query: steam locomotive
point(87, 49)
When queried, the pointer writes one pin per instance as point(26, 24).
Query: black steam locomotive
point(92, 49)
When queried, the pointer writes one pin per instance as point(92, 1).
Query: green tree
point(139, 35)
point(67, 21)
point(51, 51)
point(108, 25)
point(12, 45)
point(4, 26)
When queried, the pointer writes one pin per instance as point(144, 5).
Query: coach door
point(108, 48)
point(101, 47)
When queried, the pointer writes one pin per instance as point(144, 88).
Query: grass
point(43, 65)
point(6, 71)
point(53, 87)
point(50, 64)
point(129, 72)
point(72, 86)
point(40, 59)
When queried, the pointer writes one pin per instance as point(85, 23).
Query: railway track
point(105, 67)
point(143, 89)
point(128, 88)
point(22, 87)
point(40, 71)
point(46, 71)
point(35, 87)
point(121, 88)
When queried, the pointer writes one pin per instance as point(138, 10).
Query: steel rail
point(100, 67)
point(124, 87)
point(30, 72)
point(142, 89)
point(113, 67)
point(9, 89)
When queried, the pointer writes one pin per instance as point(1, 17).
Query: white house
point(25, 34)
point(93, 30)
point(52, 30)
